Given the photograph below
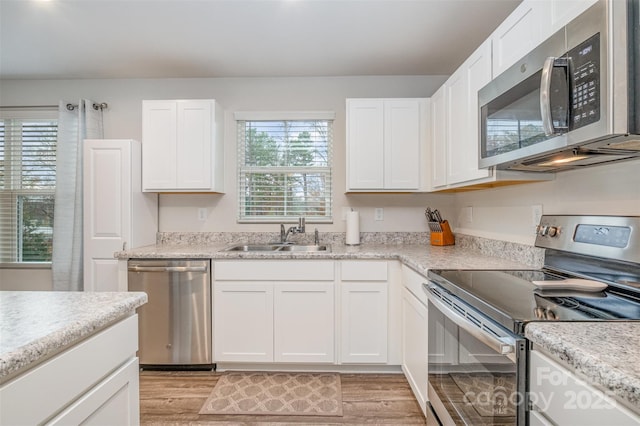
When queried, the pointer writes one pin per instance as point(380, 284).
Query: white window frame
point(244, 116)
point(12, 189)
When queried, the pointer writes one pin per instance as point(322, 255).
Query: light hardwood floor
point(176, 397)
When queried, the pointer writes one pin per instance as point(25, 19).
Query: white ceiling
point(240, 38)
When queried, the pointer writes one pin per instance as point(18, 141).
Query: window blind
point(27, 188)
point(284, 170)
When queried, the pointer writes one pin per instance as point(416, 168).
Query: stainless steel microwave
point(572, 102)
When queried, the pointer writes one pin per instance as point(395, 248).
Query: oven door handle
point(502, 345)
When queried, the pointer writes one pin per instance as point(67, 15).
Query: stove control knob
point(553, 231)
point(543, 230)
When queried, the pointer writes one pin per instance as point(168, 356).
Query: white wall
point(179, 212)
point(503, 213)
point(506, 213)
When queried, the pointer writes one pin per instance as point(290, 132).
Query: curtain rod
point(70, 107)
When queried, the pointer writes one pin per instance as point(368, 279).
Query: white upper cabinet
point(182, 146)
point(523, 30)
point(532, 22)
point(386, 144)
point(563, 11)
point(463, 146)
point(454, 122)
point(438, 138)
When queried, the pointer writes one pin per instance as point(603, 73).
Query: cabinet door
point(114, 401)
point(457, 128)
point(159, 126)
point(402, 135)
point(565, 399)
point(414, 346)
point(463, 117)
point(364, 322)
point(243, 321)
point(365, 144)
point(439, 138)
point(107, 210)
point(304, 322)
point(563, 11)
point(194, 139)
point(522, 31)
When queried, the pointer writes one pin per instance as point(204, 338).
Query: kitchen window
point(284, 166)
point(27, 185)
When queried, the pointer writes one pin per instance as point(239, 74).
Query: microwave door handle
point(545, 96)
point(495, 343)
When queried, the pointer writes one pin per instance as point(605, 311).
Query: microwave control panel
point(585, 72)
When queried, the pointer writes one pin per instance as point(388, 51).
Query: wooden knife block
point(441, 234)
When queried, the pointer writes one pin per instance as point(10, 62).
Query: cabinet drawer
point(364, 270)
point(413, 282)
point(565, 399)
point(274, 270)
point(67, 375)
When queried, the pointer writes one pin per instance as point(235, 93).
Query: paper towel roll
point(353, 228)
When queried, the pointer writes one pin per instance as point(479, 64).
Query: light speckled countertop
point(34, 325)
point(605, 353)
point(418, 257)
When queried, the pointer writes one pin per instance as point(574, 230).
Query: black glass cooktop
point(512, 300)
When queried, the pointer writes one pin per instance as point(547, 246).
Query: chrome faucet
point(300, 229)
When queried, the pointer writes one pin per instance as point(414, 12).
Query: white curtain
point(74, 125)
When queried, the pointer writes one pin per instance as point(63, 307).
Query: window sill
point(26, 265)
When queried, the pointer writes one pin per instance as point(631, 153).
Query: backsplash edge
point(517, 252)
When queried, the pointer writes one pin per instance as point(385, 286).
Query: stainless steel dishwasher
point(175, 324)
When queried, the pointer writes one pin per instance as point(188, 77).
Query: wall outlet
point(345, 211)
point(536, 214)
point(202, 214)
point(466, 214)
point(378, 214)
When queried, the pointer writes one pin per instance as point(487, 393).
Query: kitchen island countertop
point(603, 353)
point(35, 325)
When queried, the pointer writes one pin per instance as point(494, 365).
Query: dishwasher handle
point(137, 268)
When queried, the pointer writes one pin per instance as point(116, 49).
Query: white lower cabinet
point(364, 313)
point(415, 334)
point(364, 322)
point(243, 321)
point(304, 322)
point(559, 397)
point(274, 311)
point(94, 382)
point(415, 328)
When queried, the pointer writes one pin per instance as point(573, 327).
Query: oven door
point(477, 369)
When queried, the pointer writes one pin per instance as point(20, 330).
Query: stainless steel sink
point(255, 247)
point(304, 248)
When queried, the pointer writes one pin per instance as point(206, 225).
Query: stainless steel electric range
point(477, 349)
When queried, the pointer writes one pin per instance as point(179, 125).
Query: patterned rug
point(297, 394)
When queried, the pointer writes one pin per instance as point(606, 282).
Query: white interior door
point(107, 201)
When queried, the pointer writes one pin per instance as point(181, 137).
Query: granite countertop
point(603, 353)
point(419, 257)
point(34, 325)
